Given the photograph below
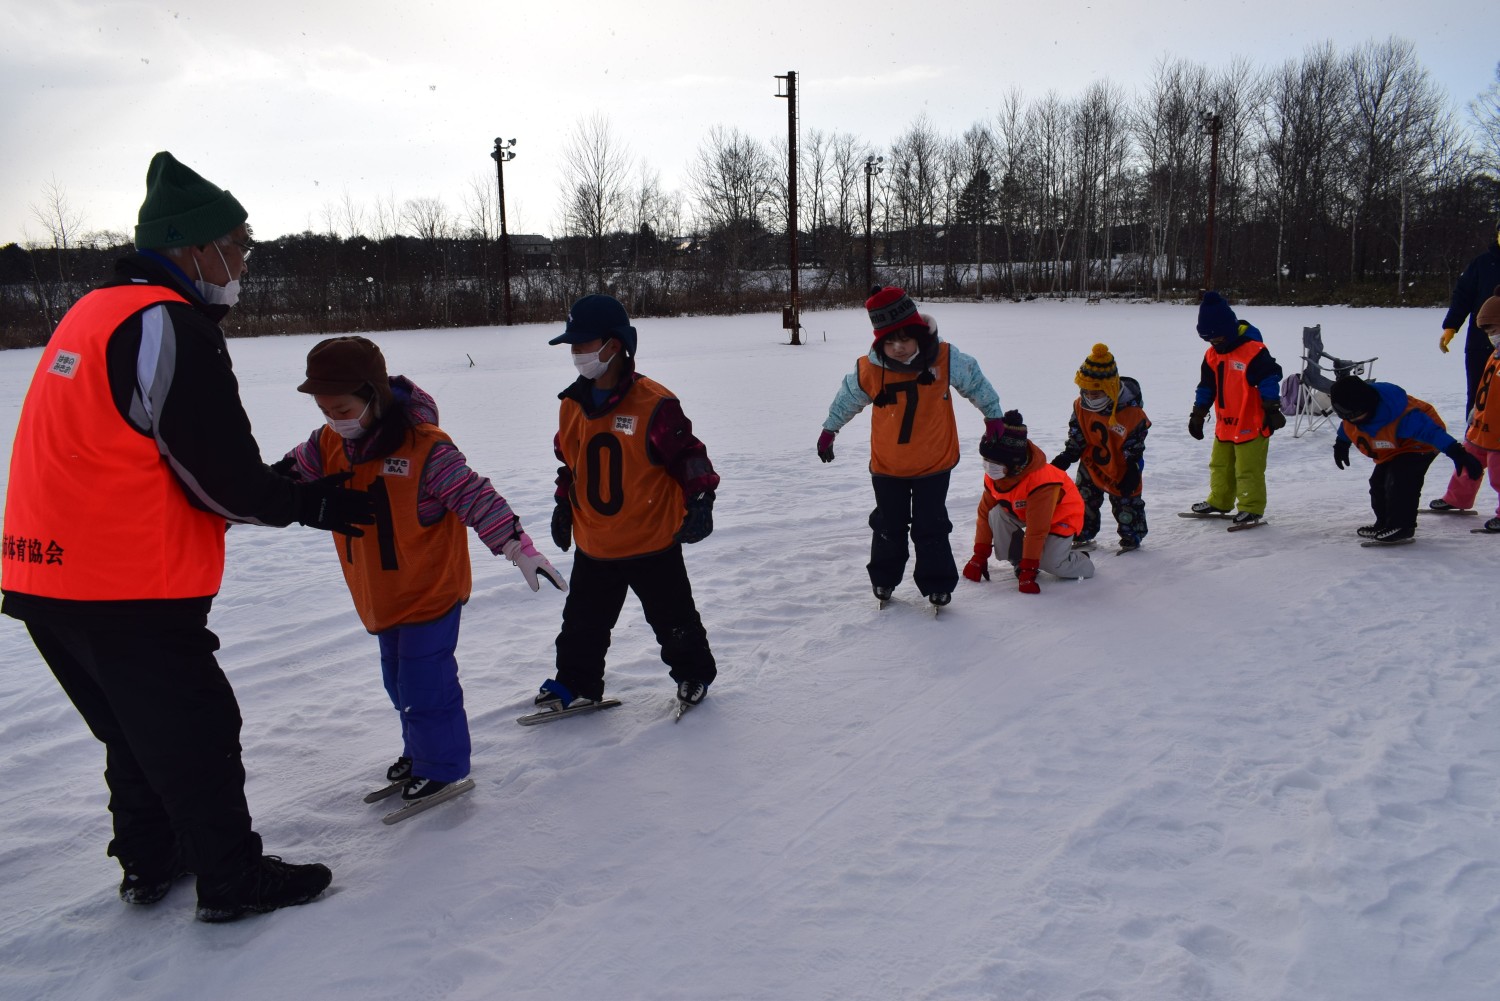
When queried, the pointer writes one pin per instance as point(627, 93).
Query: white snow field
point(1233, 767)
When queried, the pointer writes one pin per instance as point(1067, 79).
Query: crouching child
point(1029, 512)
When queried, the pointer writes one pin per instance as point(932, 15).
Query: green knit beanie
point(182, 209)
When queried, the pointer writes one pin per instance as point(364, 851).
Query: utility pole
point(872, 167)
point(1211, 123)
point(502, 153)
point(791, 316)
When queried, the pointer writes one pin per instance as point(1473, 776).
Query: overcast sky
point(293, 105)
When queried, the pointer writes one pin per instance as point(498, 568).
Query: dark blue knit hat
point(1215, 318)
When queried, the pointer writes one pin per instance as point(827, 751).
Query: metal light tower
point(872, 167)
point(792, 315)
point(1211, 124)
point(502, 153)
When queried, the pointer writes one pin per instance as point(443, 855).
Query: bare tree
point(730, 181)
point(426, 218)
point(60, 219)
point(1168, 130)
point(1485, 110)
point(596, 183)
point(916, 164)
point(1394, 104)
point(1013, 159)
point(480, 207)
point(844, 181)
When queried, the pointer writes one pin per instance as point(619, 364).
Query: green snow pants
point(1237, 475)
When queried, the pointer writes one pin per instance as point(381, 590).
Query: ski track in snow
point(1251, 766)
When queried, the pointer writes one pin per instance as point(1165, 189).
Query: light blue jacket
point(963, 375)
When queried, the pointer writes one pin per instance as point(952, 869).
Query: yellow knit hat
point(1099, 372)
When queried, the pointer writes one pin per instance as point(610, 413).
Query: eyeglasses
point(246, 246)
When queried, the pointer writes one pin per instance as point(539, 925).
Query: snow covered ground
point(1253, 766)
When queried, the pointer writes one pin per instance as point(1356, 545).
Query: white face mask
point(591, 366)
point(351, 428)
point(1494, 340)
point(1095, 405)
point(996, 470)
point(219, 295)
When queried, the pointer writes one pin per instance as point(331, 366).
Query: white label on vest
point(1385, 444)
point(397, 467)
point(65, 364)
point(625, 424)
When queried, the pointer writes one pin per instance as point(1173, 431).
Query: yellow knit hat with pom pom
point(1099, 372)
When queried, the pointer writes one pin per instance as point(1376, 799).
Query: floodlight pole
point(1211, 123)
point(792, 315)
point(872, 167)
point(502, 153)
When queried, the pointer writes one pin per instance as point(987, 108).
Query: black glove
point(1131, 481)
point(1061, 460)
point(562, 525)
point(1274, 419)
point(699, 522)
point(1464, 462)
point(1195, 422)
point(327, 504)
point(286, 467)
point(1341, 452)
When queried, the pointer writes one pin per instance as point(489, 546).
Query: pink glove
point(994, 428)
point(522, 552)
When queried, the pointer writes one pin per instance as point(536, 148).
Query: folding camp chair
point(1319, 369)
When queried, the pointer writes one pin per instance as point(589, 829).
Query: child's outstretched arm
point(448, 484)
point(965, 376)
point(847, 403)
point(1074, 448)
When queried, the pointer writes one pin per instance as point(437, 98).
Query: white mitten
point(522, 552)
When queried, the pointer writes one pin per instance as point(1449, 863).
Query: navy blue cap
point(598, 317)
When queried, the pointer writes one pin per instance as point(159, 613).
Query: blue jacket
point(1414, 425)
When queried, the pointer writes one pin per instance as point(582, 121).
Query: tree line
point(1340, 177)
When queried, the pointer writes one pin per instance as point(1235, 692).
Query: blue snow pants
point(421, 677)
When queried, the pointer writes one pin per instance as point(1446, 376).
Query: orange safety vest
point(400, 572)
point(1484, 426)
point(1104, 442)
point(1067, 518)
point(917, 434)
point(92, 511)
point(624, 503)
point(1239, 415)
point(1383, 445)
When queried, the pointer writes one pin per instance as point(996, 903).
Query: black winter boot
point(264, 885)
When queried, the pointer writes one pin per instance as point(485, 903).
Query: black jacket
point(1475, 285)
point(191, 408)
